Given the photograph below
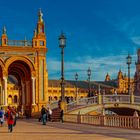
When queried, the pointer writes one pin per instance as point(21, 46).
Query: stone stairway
point(56, 115)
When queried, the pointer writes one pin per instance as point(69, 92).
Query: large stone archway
point(26, 61)
point(21, 70)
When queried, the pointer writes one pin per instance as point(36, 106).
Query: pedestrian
point(49, 114)
point(43, 115)
point(10, 118)
point(15, 116)
point(1, 116)
point(61, 115)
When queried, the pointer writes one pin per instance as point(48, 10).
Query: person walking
point(49, 114)
point(15, 116)
point(43, 114)
point(1, 116)
point(10, 118)
point(61, 115)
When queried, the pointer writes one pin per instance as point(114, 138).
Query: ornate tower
point(137, 74)
point(39, 39)
point(4, 39)
point(120, 81)
point(39, 43)
point(107, 78)
point(120, 74)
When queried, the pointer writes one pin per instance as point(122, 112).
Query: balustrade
point(104, 99)
point(131, 122)
point(19, 43)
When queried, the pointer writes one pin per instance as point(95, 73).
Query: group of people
point(10, 116)
point(45, 115)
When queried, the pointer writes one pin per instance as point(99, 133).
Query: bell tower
point(39, 44)
point(39, 39)
point(137, 74)
point(4, 38)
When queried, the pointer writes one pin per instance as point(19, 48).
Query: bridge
point(119, 104)
point(125, 107)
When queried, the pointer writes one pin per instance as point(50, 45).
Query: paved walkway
point(33, 130)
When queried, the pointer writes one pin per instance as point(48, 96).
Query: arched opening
point(20, 74)
point(9, 99)
point(122, 111)
point(55, 98)
point(15, 99)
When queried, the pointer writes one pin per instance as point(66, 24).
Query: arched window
point(55, 98)
point(50, 98)
point(15, 99)
point(5, 41)
point(10, 99)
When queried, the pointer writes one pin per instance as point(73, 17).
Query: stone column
point(2, 96)
point(27, 88)
point(5, 91)
point(23, 93)
point(33, 90)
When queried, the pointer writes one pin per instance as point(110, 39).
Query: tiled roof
point(83, 84)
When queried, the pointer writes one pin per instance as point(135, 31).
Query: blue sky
point(100, 33)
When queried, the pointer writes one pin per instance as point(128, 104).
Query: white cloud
point(99, 66)
point(136, 40)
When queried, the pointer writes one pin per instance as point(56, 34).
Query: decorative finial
point(4, 30)
point(25, 38)
point(35, 32)
point(40, 15)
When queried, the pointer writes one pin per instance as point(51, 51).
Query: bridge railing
point(53, 104)
point(131, 122)
point(82, 102)
point(116, 98)
point(88, 100)
point(136, 99)
point(102, 99)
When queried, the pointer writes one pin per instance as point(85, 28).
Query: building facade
point(121, 83)
point(26, 61)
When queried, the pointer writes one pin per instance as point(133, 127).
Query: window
point(41, 43)
point(35, 43)
point(5, 41)
point(15, 99)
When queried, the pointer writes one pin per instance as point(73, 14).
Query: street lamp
point(62, 44)
point(89, 74)
point(129, 60)
point(76, 79)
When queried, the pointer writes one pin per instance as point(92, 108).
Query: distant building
point(137, 75)
point(121, 83)
point(107, 78)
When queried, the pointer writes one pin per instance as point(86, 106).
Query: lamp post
point(89, 74)
point(76, 79)
point(129, 60)
point(62, 44)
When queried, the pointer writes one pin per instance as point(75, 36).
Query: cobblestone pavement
point(33, 130)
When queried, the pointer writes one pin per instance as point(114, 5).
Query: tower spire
point(40, 15)
point(4, 30)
